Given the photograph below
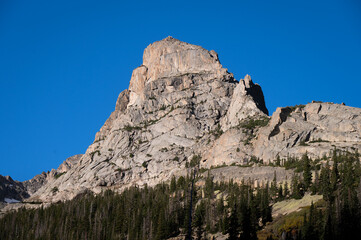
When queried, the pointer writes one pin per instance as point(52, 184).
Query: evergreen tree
point(278, 161)
point(309, 231)
point(161, 228)
point(297, 188)
point(334, 173)
point(327, 231)
point(209, 186)
point(199, 220)
point(273, 189)
point(266, 209)
point(233, 227)
point(307, 174)
point(286, 190)
point(326, 189)
point(173, 184)
point(181, 183)
point(280, 196)
point(315, 185)
point(248, 231)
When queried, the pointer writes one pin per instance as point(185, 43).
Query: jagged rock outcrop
point(11, 191)
point(247, 101)
point(177, 104)
point(315, 128)
point(39, 180)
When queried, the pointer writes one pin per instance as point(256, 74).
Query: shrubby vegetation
point(251, 123)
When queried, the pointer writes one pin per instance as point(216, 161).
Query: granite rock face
point(315, 128)
point(247, 101)
point(178, 102)
point(171, 57)
point(39, 180)
point(12, 191)
point(183, 106)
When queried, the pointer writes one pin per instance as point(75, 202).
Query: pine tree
point(280, 196)
point(199, 220)
point(307, 175)
point(209, 186)
point(309, 231)
point(173, 184)
point(327, 231)
point(278, 161)
point(334, 173)
point(266, 209)
point(326, 189)
point(297, 192)
point(248, 231)
point(286, 190)
point(315, 185)
point(273, 189)
point(233, 225)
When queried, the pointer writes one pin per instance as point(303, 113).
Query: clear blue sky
point(63, 63)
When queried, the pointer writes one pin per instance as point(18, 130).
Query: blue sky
point(63, 63)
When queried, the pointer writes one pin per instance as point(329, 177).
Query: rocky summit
point(183, 108)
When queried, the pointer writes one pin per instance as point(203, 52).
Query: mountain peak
point(171, 57)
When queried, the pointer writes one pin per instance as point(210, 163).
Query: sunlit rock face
point(182, 105)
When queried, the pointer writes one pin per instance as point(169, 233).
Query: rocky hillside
point(182, 109)
point(14, 191)
point(314, 128)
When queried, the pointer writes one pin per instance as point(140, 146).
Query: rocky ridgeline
point(181, 107)
point(315, 128)
point(12, 191)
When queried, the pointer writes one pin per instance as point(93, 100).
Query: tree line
point(158, 212)
point(238, 210)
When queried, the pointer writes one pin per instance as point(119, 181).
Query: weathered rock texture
point(39, 180)
point(182, 105)
point(315, 128)
point(12, 191)
point(176, 107)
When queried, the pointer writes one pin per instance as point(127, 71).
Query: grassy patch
point(217, 132)
point(164, 149)
point(251, 123)
point(54, 189)
point(318, 140)
point(58, 175)
point(300, 106)
point(303, 143)
point(92, 154)
point(129, 128)
point(196, 159)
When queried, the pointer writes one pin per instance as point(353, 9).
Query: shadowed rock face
point(181, 104)
point(11, 190)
